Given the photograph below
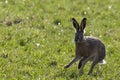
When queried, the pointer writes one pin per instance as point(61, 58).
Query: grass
point(37, 38)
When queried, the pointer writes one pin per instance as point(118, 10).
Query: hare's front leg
point(81, 62)
point(73, 61)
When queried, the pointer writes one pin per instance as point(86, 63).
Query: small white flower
point(85, 12)
point(37, 44)
point(59, 23)
point(61, 30)
point(109, 7)
point(6, 1)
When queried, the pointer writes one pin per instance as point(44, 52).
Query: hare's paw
point(66, 66)
point(79, 65)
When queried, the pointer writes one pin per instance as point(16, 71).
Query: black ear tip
point(73, 19)
point(84, 19)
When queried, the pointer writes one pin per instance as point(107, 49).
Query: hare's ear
point(83, 24)
point(75, 24)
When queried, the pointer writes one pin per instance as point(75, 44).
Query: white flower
point(6, 1)
point(37, 44)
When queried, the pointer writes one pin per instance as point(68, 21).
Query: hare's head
point(79, 29)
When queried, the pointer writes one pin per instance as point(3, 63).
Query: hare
point(86, 48)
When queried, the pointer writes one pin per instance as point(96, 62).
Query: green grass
point(37, 38)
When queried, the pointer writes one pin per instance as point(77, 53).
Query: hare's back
point(95, 46)
point(94, 42)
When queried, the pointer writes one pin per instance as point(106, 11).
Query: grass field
point(37, 38)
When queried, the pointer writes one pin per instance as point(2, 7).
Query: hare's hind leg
point(73, 61)
point(82, 63)
point(95, 61)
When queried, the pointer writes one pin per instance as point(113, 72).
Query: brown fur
point(86, 47)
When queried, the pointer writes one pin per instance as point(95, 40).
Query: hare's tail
point(102, 62)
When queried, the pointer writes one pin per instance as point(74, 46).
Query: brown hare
point(86, 48)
